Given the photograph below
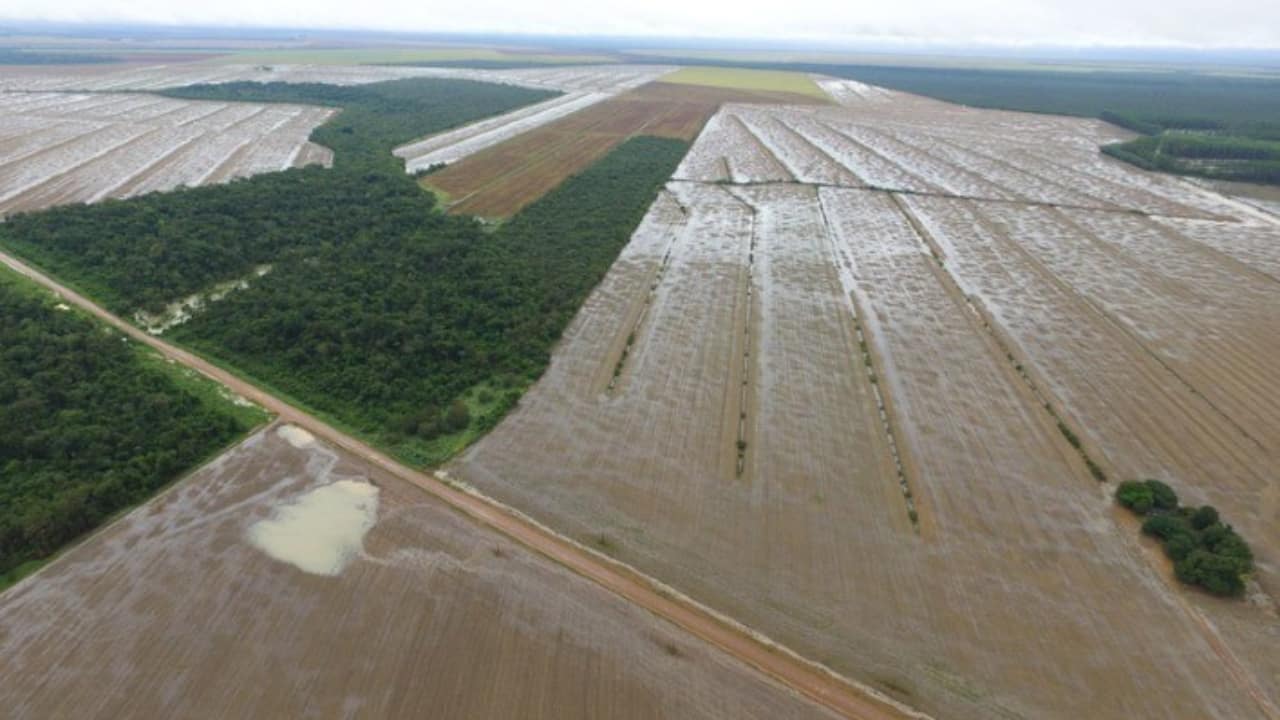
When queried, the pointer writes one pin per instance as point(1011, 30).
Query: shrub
point(1165, 527)
point(1162, 495)
point(1136, 496)
point(1203, 517)
point(1214, 573)
point(1180, 545)
point(458, 417)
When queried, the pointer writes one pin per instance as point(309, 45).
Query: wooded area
point(379, 311)
point(87, 426)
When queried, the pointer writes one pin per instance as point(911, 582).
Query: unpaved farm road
point(812, 681)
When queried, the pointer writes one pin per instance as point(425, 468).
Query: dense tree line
point(1205, 551)
point(86, 428)
point(386, 329)
point(379, 310)
point(147, 251)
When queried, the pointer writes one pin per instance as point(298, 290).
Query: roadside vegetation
point(90, 424)
point(1205, 551)
point(416, 329)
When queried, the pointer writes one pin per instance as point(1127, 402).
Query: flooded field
point(821, 392)
point(58, 148)
point(146, 76)
point(219, 599)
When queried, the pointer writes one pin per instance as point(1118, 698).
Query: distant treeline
point(86, 427)
point(1227, 112)
point(10, 56)
point(380, 311)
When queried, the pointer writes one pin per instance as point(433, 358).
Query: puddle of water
point(322, 529)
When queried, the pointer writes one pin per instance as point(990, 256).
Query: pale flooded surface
point(322, 529)
point(174, 611)
point(812, 394)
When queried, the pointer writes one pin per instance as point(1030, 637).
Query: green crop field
point(746, 79)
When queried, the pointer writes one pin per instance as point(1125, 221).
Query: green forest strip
point(414, 329)
point(90, 424)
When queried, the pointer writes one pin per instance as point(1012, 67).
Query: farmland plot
point(922, 146)
point(454, 145)
point(1256, 244)
point(913, 516)
point(1114, 382)
point(589, 78)
point(124, 145)
point(199, 604)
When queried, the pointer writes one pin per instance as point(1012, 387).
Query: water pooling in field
point(319, 531)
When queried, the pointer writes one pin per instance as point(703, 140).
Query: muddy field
point(517, 165)
point(812, 394)
point(58, 148)
point(288, 580)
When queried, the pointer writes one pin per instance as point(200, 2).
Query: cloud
point(1228, 23)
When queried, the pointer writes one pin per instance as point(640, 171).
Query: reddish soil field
point(501, 180)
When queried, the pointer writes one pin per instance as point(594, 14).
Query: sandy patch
point(296, 436)
point(320, 530)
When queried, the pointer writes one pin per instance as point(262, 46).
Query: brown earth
point(800, 675)
point(812, 391)
point(499, 181)
point(172, 612)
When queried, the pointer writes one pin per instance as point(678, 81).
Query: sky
point(1086, 23)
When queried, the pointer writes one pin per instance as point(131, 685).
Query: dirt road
point(804, 677)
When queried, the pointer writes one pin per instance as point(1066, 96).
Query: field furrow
point(802, 159)
point(1256, 244)
point(1129, 409)
point(1194, 309)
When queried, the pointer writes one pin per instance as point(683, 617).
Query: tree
point(1203, 517)
point(1136, 496)
point(1162, 495)
point(1165, 526)
point(1214, 573)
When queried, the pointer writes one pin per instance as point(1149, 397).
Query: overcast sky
point(1188, 23)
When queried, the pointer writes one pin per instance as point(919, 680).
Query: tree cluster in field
point(85, 427)
point(1205, 551)
point(379, 310)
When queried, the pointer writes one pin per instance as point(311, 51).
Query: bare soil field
point(519, 165)
point(820, 392)
point(203, 604)
point(59, 148)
